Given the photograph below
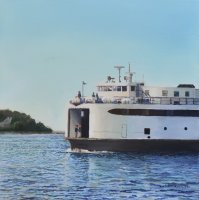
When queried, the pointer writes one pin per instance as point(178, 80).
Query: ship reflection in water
point(43, 167)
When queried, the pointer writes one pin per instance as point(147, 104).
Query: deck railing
point(151, 100)
point(169, 101)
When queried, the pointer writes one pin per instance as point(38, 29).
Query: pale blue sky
point(47, 47)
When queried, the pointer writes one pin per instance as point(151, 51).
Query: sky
point(48, 47)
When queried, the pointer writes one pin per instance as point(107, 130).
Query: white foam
point(69, 150)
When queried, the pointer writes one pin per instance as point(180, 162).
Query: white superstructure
point(125, 110)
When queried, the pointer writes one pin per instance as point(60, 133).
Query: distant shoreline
point(30, 132)
point(16, 122)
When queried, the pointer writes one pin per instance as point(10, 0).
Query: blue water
point(43, 167)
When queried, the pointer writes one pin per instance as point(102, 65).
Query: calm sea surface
point(43, 167)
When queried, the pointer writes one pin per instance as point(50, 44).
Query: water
point(43, 167)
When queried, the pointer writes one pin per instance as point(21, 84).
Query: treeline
point(21, 122)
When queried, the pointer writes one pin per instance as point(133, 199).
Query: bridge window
point(109, 88)
point(132, 88)
point(187, 94)
point(119, 88)
point(124, 88)
point(164, 93)
point(104, 88)
point(114, 88)
point(176, 94)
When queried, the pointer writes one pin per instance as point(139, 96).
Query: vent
point(186, 86)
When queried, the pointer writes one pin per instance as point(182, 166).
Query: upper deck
point(129, 92)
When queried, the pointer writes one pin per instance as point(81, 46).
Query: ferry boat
point(128, 116)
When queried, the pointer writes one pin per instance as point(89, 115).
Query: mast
point(130, 77)
point(119, 70)
point(129, 68)
point(83, 83)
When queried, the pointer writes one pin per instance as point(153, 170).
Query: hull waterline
point(139, 146)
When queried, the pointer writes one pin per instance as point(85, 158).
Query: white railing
point(151, 100)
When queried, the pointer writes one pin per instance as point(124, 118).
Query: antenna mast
point(119, 70)
point(129, 68)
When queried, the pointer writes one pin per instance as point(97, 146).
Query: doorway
point(78, 117)
point(124, 130)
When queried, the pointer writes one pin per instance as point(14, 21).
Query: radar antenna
point(129, 67)
point(119, 70)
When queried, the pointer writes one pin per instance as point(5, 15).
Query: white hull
point(104, 125)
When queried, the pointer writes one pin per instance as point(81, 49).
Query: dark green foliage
point(18, 126)
point(22, 122)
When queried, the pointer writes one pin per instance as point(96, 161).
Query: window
point(187, 94)
point(119, 88)
point(176, 93)
point(164, 93)
point(132, 88)
point(109, 88)
point(147, 131)
point(124, 88)
point(101, 88)
point(114, 88)
point(155, 112)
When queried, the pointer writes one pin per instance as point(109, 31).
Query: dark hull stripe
point(129, 145)
point(155, 112)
